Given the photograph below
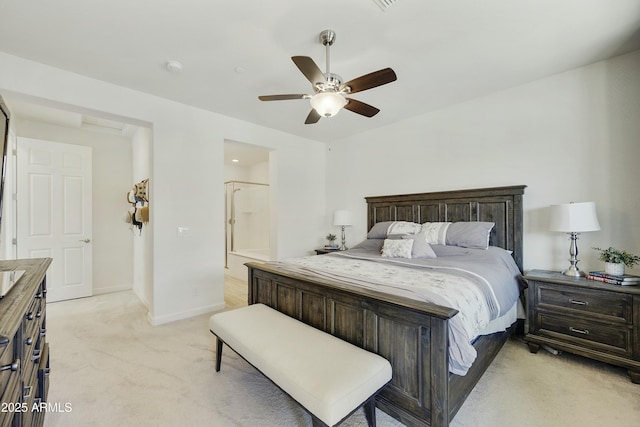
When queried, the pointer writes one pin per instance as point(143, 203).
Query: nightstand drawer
point(587, 333)
point(609, 305)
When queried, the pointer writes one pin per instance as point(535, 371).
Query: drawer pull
point(578, 302)
point(13, 366)
point(579, 331)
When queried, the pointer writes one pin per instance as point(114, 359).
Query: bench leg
point(219, 344)
point(370, 411)
point(316, 422)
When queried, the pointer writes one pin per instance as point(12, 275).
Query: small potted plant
point(615, 260)
point(331, 238)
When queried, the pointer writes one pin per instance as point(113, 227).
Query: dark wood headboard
point(501, 205)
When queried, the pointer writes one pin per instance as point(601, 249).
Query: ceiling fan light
point(328, 104)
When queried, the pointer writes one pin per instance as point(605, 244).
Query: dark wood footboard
point(412, 335)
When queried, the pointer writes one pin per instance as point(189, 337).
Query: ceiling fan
point(330, 93)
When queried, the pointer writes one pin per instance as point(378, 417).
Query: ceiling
point(443, 51)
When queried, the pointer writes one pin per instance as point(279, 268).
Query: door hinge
point(14, 241)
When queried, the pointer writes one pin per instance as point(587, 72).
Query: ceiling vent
point(385, 4)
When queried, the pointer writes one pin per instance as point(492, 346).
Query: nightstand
point(323, 251)
point(585, 317)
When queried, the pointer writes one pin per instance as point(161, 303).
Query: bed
point(413, 335)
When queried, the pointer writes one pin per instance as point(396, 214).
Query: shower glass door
point(246, 219)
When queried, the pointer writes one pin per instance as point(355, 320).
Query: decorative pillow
point(404, 227)
point(421, 249)
point(397, 248)
point(435, 232)
point(469, 234)
point(379, 230)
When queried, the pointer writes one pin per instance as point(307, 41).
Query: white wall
point(142, 239)
point(111, 240)
point(258, 173)
point(186, 176)
point(569, 137)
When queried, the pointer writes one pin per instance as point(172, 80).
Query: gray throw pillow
point(469, 234)
point(421, 249)
point(379, 230)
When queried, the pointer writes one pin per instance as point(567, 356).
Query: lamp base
point(343, 246)
point(573, 252)
point(574, 272)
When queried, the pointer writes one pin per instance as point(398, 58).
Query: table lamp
point(573, 218)
point(342, 219)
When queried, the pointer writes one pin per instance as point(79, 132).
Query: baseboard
point(110, 289)
point(160, 320)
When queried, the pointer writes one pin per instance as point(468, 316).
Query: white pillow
point(400, 248)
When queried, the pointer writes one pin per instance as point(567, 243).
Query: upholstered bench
point(329, 377)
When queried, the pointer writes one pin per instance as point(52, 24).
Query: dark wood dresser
point(24, 352)
point(585, 317)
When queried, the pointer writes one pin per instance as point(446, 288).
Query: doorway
point(248, 214)
point(121, 150)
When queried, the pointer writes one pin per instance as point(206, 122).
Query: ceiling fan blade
point(309, 69)
point(371, 80)
point(282, 97)
point(361, 108)
point(312, 118)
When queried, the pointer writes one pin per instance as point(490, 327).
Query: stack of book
point(624, 280)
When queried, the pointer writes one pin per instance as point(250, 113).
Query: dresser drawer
point(606, 305)
point(587, 333)
point(43, 375)
point(9, 364)
point(11, 401)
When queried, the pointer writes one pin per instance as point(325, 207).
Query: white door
point(54, 213)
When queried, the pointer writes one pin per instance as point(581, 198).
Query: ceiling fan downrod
point(327, 37)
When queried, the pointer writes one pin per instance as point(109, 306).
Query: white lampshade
point(341, 218)
point(328, 104)
point(574, 217)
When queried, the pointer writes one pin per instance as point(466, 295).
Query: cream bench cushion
point(326, 375)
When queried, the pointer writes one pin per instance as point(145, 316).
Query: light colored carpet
point(114, 369)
